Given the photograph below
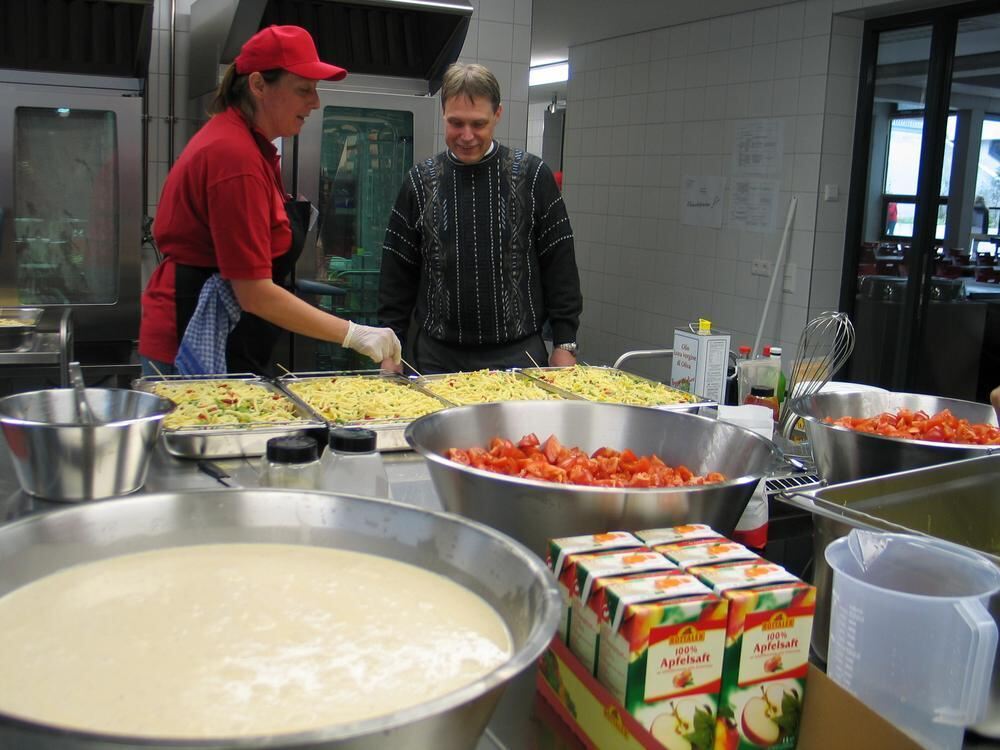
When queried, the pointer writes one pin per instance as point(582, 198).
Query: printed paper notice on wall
point(758, 147)
point(753, 204)
point(701, 201)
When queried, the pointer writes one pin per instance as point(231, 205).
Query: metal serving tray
point(693, 406)
point(227, 441)
point(427, 380)
point(18, 336)
point(389, 432)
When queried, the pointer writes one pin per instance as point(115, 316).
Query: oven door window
point(65, 193)
point(364, 157)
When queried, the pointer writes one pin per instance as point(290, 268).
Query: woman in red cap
point(224, 215)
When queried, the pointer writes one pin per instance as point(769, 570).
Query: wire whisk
point(825, 344)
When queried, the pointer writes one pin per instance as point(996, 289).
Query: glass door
point(65, 198)
point(924, 287)
point(352, 158)
point(364, 156)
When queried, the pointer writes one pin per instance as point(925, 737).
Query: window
point(988, 176)
point(902, 166)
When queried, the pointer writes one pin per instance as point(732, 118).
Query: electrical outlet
point(760, 267)
point(789, 281)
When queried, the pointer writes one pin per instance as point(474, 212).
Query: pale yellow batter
point(238, 639)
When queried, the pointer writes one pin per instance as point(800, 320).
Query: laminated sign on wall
point(700, 361)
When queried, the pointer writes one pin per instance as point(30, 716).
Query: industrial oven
point(71, 85)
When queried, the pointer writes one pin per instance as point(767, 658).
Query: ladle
point(83, 411)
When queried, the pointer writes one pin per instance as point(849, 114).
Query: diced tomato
point(553, 462)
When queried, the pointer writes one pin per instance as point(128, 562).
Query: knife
point(217, 473)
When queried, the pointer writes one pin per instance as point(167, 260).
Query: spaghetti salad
point(224, 402)
point(483, 386)
point(354, 398)
point(612, 386)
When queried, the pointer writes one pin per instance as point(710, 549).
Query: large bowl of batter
point(503, 574)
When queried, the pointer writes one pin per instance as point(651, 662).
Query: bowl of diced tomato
point(858, 435)
point(543, 469)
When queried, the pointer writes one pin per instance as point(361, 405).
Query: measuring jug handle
point(979, 668)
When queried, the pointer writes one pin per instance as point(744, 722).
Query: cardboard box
point(706, 552)
point(661, 655)
point(673, 534)
point(832, 718)
point(586, 605)
point(700, 363)
point(767, 654)
point(562, 558)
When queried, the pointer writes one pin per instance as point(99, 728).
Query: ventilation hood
point(411, 39)
point(82, 37)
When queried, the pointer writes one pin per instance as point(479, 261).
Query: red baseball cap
point(289, 48)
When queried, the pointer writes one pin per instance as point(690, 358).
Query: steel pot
point(58, 458)
point(515, 583)
point(533, 511)
point(843, 455)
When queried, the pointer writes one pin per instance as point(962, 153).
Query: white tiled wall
point(536, 127)
point(645, 110)
point(499, 37)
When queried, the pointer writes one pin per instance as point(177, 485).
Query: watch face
point(568, 347)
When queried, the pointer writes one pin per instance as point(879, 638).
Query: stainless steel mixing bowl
point(58, 458)
point(843, 455)
point(510, 579)
point(534, 511)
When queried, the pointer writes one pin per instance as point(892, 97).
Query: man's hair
point(471, 80)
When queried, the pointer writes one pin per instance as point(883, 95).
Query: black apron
point(251, 342)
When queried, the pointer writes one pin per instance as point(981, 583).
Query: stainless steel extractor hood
point(80, 37)
point(410, 39)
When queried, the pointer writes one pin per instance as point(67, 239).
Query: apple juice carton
point(705, 552)
point(561, 560)
point(662, 649)
point(674, 534)
point(767, 653)
point(586, 604)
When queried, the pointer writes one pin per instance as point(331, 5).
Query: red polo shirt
point(222, 207)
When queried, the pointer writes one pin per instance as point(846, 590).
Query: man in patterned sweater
point(478, 251)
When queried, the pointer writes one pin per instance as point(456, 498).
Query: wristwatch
point(569, 346)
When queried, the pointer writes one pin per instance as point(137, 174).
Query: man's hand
point(390, 365)
point(377, 343)
point(995, 400)
point(563, 358)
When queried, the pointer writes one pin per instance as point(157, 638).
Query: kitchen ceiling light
point(554, 73)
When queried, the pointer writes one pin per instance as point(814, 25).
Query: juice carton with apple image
point(561, 556)
point(586, 605)
point(662, 650)
point(705, 552)
point(767, 654)
point(674, 534)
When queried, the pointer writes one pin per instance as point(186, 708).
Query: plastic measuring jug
point(910, 634)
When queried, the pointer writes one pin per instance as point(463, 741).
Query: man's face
point(469, 125)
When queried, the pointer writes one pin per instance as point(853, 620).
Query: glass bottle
point(352, 465)
point(763, 396)
point(774, 352)
point(291, 462)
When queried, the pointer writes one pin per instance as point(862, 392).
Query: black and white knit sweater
point(481, 253)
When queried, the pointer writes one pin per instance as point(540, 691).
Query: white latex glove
point(377, 343)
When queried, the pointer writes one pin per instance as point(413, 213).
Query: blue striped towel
point(203, 347)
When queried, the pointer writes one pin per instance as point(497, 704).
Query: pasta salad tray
point(228, 416)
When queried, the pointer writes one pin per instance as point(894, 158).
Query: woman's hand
point(995, 400)
point(377, 343)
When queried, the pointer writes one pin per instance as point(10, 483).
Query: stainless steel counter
point(521, 720)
